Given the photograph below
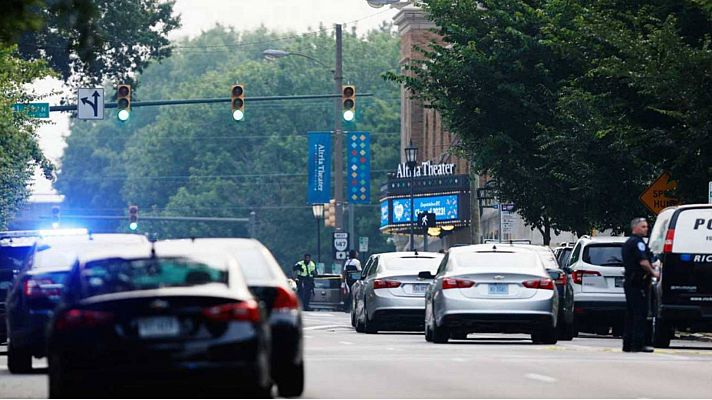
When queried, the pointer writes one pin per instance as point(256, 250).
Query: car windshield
point(119, 275)
point(608, 254)
point(410, 264)
point(494, 260)
point(254, 265)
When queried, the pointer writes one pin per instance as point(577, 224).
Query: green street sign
point(34, 110)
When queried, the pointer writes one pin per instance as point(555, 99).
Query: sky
point(200, 15)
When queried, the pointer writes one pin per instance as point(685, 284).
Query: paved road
point(342, 363)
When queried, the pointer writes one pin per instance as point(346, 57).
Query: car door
point(357, 288)
point(367, 285)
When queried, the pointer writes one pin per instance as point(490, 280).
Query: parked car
point(14, 248)
point(564, 288)
point(597, 272)
point(38, 289)
point(389, 294)
point(563, 253)
point(682, 241)
point(268, 283)
point(165, 321)
point(491, 288)
point(327, 293)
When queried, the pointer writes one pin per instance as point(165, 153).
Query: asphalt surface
point(341, 363)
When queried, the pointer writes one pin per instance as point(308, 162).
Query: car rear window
point(333, 283)
point(494, 260)
point(254, 265)
point(409, 264)
point(119, 275)
point(607, 255)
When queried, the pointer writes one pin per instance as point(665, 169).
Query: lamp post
point(411, 157)
point(318, 211)
point(338, 136)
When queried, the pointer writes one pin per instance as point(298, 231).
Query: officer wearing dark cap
point(639, 270)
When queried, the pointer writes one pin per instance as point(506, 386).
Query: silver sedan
point(491, 288)
point(389, 295)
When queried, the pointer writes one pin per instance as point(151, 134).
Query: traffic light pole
point(338, 137)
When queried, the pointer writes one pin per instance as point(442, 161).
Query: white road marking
point(458, 359)
point(308, 337)
point(317, 314)
point(541, 378)
point(313, 328)
point(346, 342)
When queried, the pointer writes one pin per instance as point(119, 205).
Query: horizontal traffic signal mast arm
point(155, 218)
point(153, 103)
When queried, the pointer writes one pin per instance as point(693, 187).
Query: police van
point(682, 241)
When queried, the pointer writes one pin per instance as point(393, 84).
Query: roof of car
point(233, 242)
point(108, 238)
point(147, 250)
point(410, 254)
point(605, 239)
point(504, 247)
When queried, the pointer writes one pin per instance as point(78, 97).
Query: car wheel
point(353, 318)
point(566, 331)
point(368, 325)
point(428, 333)
point(60, 386)
point(545, 335)
point(19, 359)
point(441, 334)
point(291, 384)
point(662, 333)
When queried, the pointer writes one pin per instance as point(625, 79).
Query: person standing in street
point(639, 272)
point(305, 271)
point(350, 265)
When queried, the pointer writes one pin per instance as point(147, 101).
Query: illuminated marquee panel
point(449, 209)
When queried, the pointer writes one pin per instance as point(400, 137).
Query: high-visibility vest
point(306, 269)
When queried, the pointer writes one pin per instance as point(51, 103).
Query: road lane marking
point(540, 378)
point(346, 342)
point(458, 359)
point(318, 327)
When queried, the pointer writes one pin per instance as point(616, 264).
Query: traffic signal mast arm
point(154, 103)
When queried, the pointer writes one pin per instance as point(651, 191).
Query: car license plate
point(618, 281)
point(498, 288)
point(419, 288)
point(155, 327)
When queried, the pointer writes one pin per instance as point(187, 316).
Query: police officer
point(305, 271)
point(639, 270)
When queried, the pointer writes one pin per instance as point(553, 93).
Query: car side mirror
point(425, 275)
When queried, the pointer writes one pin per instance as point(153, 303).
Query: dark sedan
point(38, 288)
point(270, 285)
point(158, 322)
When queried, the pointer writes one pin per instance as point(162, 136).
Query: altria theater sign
point(425, 169)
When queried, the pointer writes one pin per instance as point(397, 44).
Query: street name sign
point(33, 110)
point(657, 196)
point(340, 245)
point(90, 103)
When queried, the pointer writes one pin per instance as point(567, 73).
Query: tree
point(19, 151)
point(195, 160)
point(89, 42)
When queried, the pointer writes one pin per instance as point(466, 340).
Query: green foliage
point(90, 41)
point(19, 151)
point(196, 161)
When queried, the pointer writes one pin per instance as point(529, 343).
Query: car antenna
point(89, 232)
point(416, 251)
point(153, 249)
point(192, 238)
point(494, 247)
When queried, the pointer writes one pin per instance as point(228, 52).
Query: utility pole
point(338, 137)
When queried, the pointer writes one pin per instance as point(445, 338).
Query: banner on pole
point(319, 168)
point(359, 168)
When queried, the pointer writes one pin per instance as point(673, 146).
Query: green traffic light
point(133, 226)
point(124, 115)
point(238, 115)
point(349, 115)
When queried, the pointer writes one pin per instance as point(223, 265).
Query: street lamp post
point(318, 211)
point(411, 157)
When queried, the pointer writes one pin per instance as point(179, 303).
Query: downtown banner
point(319, 168)
point(358, 150)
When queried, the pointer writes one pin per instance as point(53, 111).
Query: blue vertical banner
point(319, 168)
point(358, 148)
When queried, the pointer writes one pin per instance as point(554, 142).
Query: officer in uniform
point(639, 270)
point(305, 271)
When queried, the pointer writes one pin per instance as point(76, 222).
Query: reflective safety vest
point(306, 269)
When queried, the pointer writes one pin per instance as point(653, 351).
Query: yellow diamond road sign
point(657, 196)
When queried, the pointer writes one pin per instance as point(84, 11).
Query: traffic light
point(133, 217)
point(330, 213)
point(348, 102)
point(123, 102)
point(55, 217)
point(238, 102)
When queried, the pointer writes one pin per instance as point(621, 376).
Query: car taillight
point(454, 283)
point(580, 273)
point(245, 311)
point(669, 238)
point(41, 288)
point(285, 300)
point(385, 284)
point(547, 284)
point(561, 280)
point(75, 319)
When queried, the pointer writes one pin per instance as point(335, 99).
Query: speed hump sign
point(340, 245)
